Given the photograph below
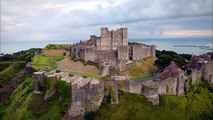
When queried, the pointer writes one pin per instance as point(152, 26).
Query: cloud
point(76, 19)
point(189, 33)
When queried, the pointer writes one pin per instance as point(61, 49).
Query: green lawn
point(42, 62)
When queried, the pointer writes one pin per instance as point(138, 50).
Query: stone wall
point(90, 54)
point(207, 71)
point(95, 96)
point(123, 52)
point(122, 65)
point(135, 87)
point(79, 99)
point(153, 51)
point(150, 91)
point(29, 69)
point(167, 87)
point(111, 90)
point(137, 52)
point(88, 93)
point(140, 51)
point(180, 84)
point(39, 78)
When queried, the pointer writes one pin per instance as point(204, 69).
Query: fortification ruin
point(88, 93)
point(111, 49)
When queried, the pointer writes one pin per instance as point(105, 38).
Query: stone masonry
point(88, 93)
point(111, 49)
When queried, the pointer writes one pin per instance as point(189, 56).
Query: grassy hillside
point(69, 65)
point(57, 46)
point(196, 105)
point(43, 62)
point(143, 68)
point(4, 65)
point(10, 72)
point(21, 56)
point(23, 105)
point(54, 52)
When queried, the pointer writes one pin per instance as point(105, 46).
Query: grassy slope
point(7, 74)
point(87, 75)
point(198, 104)
point(69, 65)
point(4, 65)
point(143, 68)
point(42, 62)
point(54, 52)
point(57, 46)
point(23, 105)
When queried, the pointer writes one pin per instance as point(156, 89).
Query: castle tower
point(105, 39)
point(125, 36)
point(112, 39)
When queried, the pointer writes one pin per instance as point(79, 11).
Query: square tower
point(125, 36)
point(105, 43)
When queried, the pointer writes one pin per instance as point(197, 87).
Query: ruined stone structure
point(202, 68)
point(171, 81)
point(207, 72)
point(88, 93)
point(29, 69)
point(111, 49)
point(39, 82)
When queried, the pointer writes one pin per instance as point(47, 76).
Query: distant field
point(143, 69)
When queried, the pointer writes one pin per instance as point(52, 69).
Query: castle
point(111, 49)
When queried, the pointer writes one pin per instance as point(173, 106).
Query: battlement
point(113, 48)
point(110, 40)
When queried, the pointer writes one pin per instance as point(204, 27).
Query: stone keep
point(112, 39)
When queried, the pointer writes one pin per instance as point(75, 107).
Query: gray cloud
point(76, 19)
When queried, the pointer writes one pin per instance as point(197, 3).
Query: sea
point(179, 45)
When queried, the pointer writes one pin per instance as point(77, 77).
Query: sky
point(43, 20)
